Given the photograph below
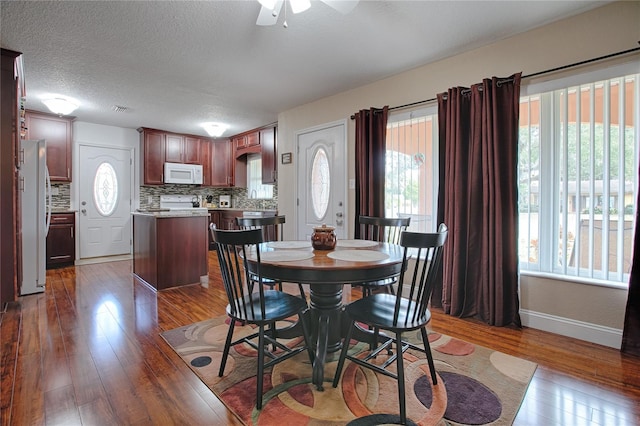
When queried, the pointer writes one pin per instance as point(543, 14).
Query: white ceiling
point(177, 64)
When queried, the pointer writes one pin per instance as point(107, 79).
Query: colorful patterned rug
point(476, 385)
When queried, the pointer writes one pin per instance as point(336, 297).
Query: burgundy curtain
point(631, 332)
point(371, 130)
point(477, 200)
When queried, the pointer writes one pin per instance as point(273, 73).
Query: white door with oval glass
point(104, 201)
point(321, 179)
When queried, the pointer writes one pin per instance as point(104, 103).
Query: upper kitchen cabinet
point(205, 157)
point(246, 141)
point(191, 150)
point(260, 141)
point(57, 132)
point(182, 149)
point(152, 147)
point(222, 163)
point(268, 151)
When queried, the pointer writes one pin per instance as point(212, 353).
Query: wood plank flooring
point(88, 352)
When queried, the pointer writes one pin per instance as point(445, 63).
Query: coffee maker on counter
point(225, 201)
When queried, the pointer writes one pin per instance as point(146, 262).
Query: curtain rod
point(535, 74)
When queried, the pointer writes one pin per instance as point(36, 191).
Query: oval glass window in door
point(105, 189)
point(320, 183)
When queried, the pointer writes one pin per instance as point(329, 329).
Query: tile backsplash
point(150, 196)
point(62, 199)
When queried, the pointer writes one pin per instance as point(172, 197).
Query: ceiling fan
point(270, 10)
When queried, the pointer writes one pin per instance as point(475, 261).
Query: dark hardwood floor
point(88, 351)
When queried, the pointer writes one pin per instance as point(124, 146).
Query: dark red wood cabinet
point(61, 240)
point(268, 152)
point(57, 131)
point(170, 251)
point(153, 155)
point(221, 163)
point(11, 87)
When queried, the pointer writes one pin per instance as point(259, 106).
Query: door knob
point(84, 211)
point(339, 214)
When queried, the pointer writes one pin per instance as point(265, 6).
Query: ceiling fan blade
point(342, 6)
point(269, 16)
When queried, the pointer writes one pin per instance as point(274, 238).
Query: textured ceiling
point(177, 64)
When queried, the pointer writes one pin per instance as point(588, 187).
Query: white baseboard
point(593, 333)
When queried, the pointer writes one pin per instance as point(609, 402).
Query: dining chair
point(261, 307)
point(381, 229)
point(272, 230)
point(399, 313)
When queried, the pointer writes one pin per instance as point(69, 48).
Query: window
point(578, 168)
point(105, 189)
point(577, 173)
point(412, 168)
point(255, 188)
point(320, 183)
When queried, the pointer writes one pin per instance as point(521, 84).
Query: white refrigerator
point(36, 215)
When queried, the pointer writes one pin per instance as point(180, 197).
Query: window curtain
point(631, 332)
point(371, 131)
point(477, 200)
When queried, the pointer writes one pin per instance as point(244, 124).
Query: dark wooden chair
point(261, 307)
point(272, 230)
point(397, 313)
point(381, 229)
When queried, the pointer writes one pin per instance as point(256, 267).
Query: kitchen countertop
point(160, 213)
point(246, 209)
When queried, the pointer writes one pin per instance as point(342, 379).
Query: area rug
point(476, 385)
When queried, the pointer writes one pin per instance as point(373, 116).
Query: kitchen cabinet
point(263, 142)
point(12, 89)
point(173, 148)
point(214, 217)
point(268, 153)
point(153, 154)
point(182, 149)
point(61, 240)
point(57, 132)
point(246, 140)
point(205, 157)
point(170, 250)
point(222, 163)
point(191, 150)
point(158, 147)
point(228, 219)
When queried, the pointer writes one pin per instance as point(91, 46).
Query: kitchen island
point(170, 248)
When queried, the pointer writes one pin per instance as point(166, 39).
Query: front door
point(322, 154)
point(105, 201)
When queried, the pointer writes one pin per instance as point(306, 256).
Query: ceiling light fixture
point(270, 10)
point(215, 129)
point(60, 106)
point(298, 6)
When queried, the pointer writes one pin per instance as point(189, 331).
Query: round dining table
point(326, 272)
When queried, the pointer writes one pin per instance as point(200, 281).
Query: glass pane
point(320, 183)
point(255, 188)
point(105, 189)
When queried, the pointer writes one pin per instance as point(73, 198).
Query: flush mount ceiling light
point(271, 9)
point(59, 105)
point(215, 129)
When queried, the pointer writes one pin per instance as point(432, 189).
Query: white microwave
point(189, 174)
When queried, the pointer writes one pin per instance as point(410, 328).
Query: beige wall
point(599, 32)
